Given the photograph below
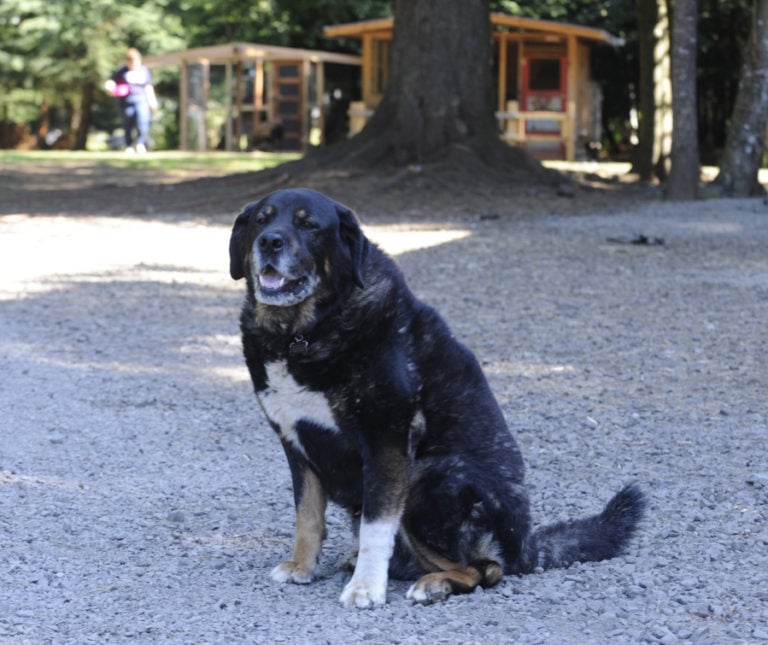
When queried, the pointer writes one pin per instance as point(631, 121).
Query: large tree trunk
point(643, 154)
point(746, 135)
point(442, 100)
point(438, 105)
point(684, 175)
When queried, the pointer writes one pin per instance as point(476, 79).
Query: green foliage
point(591, 13)
point(290, 23)
point(51, 52)
point(306, 18)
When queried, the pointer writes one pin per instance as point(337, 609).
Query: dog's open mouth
point(273, 282)
point(278, 289)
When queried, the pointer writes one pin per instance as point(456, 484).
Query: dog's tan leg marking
point(449, 577)
point(434, 587)
point(310, 532)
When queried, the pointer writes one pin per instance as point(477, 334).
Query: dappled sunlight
point(527, 369)
point(712, 228)
point(396, 239)
point(39, 254)
point(37, 480)
point(235, 374)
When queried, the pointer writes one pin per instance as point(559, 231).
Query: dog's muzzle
point(280, 278)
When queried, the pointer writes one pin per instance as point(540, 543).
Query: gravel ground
point(144, 498)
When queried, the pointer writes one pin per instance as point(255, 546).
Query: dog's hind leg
point(451, 577)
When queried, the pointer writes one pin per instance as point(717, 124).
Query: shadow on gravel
point(129, 326)
point(194, 198)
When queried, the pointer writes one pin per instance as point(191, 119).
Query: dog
point(381, 410)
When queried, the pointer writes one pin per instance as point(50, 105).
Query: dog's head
point(292, 243)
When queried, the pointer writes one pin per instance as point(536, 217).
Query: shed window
point(544, 74)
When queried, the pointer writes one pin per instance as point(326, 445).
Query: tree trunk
point(684, 174)
point(440, 101)
point(662, 94)
point(643, 155)
point(746, 135)
point(82, 123)
point(438, 105)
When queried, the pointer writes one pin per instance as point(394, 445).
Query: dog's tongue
point(271, 279)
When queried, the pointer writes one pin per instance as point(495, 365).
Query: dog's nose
point(271, 241)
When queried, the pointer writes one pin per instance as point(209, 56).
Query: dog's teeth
point(272, 281)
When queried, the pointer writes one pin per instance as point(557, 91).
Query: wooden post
point(502, 79)
point(569, 125)
point(239, 103)
point(319, 96)
point(228, 106)
point(258, 93)
point(367, 70)
point(202, 125)
point(304, 106)
point(184, 106)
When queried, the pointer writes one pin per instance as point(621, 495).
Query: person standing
point(132, 85)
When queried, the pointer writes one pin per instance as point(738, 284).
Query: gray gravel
point(144, 498)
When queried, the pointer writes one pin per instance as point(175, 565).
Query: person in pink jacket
point(132, 85)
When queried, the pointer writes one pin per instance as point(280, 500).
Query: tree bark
point(662, 94)
point(441, 100)
point(438, 107)
point(745, 141)
point(643, 155)
point(82, 116)
point(684, 174)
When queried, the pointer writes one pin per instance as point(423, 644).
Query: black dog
point(382, 411)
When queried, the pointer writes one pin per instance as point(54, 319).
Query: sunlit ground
point(37, 253)
point(609, 169)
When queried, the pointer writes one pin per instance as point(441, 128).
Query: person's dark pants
point(136, 117)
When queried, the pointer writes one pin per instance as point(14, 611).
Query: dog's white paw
point(429, 590)
point(363, 595)
point(290, 571)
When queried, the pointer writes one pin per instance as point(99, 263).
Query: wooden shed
point(546, 99)
point(233, 95)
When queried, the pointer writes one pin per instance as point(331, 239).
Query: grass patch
point(213, 163)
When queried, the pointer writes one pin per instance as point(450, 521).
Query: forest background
point(54, 56)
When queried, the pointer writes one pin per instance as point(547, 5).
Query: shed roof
point(358, 29)
point(233, 52)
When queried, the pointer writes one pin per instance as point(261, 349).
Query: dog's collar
point(299, 346)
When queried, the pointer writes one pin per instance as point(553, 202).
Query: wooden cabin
point(233, 96)
point(546, 99)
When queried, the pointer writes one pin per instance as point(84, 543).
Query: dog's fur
point(381, 410)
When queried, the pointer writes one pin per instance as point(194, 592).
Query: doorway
point(544, 90)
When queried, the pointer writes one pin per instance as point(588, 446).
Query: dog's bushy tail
point(590, 539)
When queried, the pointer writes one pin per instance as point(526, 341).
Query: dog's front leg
point(311, 502)
point(384, 480)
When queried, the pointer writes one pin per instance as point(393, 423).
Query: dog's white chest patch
point(285, 403)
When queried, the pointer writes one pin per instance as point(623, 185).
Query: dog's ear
point(354, 241)
point(237, 248)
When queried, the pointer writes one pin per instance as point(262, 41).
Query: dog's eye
point(303, 220)
point(262, 217)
